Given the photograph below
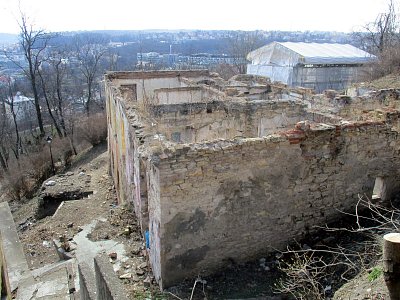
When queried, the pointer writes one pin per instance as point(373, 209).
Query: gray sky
point(324, 15)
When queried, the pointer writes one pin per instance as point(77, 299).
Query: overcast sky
point(324, 15)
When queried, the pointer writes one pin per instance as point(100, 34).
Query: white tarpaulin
point(291, 54)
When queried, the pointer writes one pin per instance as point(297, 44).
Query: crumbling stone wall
point(125, 130)
point(199, 122)
point(366, 106)
point(239, 181)
point(234, 199)
point(145, 83)
point(188, 94)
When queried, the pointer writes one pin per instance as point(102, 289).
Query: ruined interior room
point(219, 170)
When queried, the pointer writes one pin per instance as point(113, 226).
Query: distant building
point(311, 65)
point(24, 107)
point(178, 61)
point(149, 57)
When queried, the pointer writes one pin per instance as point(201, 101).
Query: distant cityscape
point(133, 50)
point(154, 60)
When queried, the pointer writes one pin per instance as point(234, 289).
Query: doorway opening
point(377, 192)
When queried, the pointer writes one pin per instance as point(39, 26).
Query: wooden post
point(391, 264)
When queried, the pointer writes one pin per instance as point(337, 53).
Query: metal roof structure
point(291, 54)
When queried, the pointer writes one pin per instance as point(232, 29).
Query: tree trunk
point(60, 106)
point(14, 116)
point(18, 141)
point(391, 264)
point(49, 108)
point(36, 99)
point(3, 162)
point(89, 97)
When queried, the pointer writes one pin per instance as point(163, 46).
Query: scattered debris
point(63, 250)
point(46, 244)
point(126, 276)
point(327, 288)
point(147, 281)
point(140, 272)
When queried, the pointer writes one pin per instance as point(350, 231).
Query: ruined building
point(310, 65)
point(227, 170)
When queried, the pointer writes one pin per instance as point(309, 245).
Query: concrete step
point(17, 266)
point(54, 281)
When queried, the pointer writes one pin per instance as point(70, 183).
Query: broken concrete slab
point(54, 281)
point(108, 284)
point(49, 283)
point(17, 266)
point(58, 189)
point(87, 250)
point(87, 282)
point(53, 285)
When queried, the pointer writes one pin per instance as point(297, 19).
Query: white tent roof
point(290, 53)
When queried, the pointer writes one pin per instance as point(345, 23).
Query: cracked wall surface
point(245, 167)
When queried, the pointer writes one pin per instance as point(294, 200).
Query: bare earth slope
point(95, 211)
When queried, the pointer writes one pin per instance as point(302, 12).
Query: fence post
point(391, 264)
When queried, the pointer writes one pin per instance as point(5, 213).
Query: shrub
point(93, 129)
point(27, 173)
point(302, 278)
point(375, 274)
point(18, 185)
point(387, 62)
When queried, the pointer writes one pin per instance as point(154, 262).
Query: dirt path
point(90, 172)
point(37, 238)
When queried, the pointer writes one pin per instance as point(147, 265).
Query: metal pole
point(52, 162)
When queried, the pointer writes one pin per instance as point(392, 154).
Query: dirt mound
point(386, 82)
point(364, 287)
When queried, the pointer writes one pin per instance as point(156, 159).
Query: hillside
point(8, 38)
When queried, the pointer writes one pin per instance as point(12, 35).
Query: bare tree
point(13, 139)
point(53, 75)
point(382, 38)
point(240, 44)
point(4, 131)
point(383, 32)
point(33, 43)
point(17, 144)
point(90, 49)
